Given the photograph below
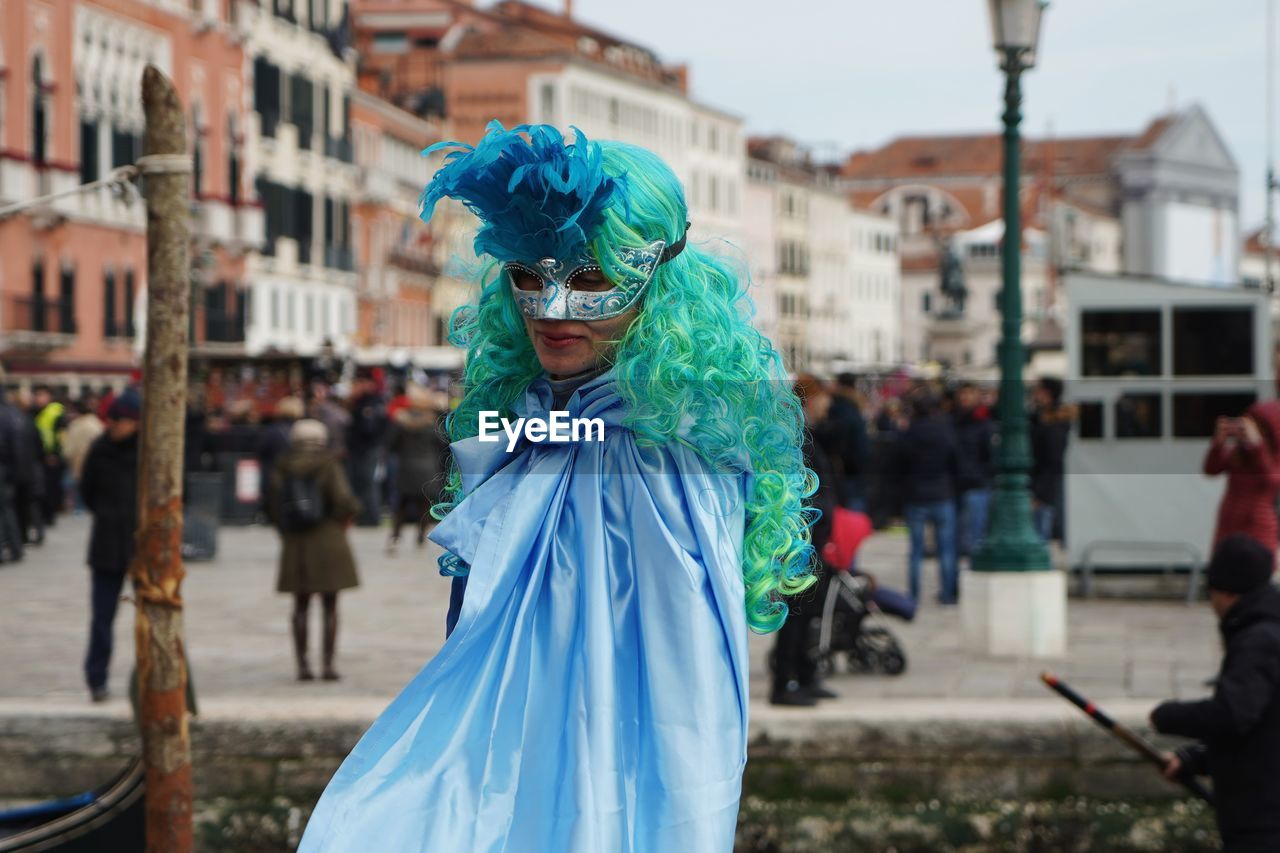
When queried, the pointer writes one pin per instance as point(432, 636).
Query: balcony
point(250, 225)
point(223, 329)
point(35, 324)
point(376, 185)
point(418, 262)
point(224, 334)
point(213, 220)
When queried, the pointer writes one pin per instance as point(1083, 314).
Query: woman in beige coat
point(312, 506)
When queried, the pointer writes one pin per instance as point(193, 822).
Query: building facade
point(73, 271)
point(521, 63)
point(300, 157)
point(397, 266)
point(827, 273)
point(1160, 202)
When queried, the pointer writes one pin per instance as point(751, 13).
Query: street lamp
point(1012, 544)
point(1012, 604)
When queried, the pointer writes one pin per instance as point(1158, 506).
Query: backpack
point(301, 504)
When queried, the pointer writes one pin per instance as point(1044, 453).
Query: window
point(39, 116)
point(272, 196)
point(129, 329)
point(1138, 416)
point(326, 117)
point(1196, 413)
point(1212, 341)
point(303, 202)
point(1090, 420)
point(926, 302)
point(548, 102)
point(289, 312)
point(109, 303)
point(390, 42)
point(197, 154)
point(310, 308)
point(67, 300)
point(122, 147)
point(318, 18)
point(302, 109)
point(233, 163)
point(275, 308)
point(88, 151)
point(266, 94)
point(1120, 343)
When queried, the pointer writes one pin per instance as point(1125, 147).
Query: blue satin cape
point(593, 696)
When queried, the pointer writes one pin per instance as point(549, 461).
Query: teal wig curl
point(691, 367)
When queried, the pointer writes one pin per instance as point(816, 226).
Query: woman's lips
point(559, 341)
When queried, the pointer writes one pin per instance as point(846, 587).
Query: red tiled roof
point(981, 154)
point(1253, 244)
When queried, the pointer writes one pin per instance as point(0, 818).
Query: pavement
point(1127, 652)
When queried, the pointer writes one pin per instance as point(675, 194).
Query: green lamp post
point(1012, 543)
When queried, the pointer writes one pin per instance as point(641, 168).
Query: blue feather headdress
point(536, 197)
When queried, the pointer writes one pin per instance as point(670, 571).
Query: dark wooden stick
point(1135, 741)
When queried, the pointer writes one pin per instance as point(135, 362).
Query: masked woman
point(593, 693)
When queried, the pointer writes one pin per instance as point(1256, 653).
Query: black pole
point(1012, 543)
point(1135, 741)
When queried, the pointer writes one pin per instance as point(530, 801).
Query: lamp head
point(1015, 29)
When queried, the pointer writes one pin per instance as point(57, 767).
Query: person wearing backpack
point(312, 506)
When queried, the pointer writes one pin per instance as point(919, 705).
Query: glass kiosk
point(1152, 364)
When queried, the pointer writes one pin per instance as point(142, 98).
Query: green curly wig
point(691, 368)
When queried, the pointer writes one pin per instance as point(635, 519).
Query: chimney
point(568, 9)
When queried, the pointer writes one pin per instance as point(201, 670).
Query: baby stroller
point(849, 599)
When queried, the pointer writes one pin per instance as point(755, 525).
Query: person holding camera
point(1247, 450)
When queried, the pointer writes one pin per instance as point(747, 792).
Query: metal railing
point(223, 328)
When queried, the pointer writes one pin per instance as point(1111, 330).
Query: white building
point(874, 298)
point(300, 153)
point(760, 241)
point(704, 146)
point(827, 274)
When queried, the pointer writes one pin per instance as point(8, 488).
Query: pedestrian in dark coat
point(1238, 729)
point(317, 559)
point(18, 469)
point(274, 441)
point(1247, 450)
point(976, 436)
point(420, 446)
point(1050, 431)
point(365, 437)
point(109, 489)
point(795, 675)
point(928, 464)
point(843, 436)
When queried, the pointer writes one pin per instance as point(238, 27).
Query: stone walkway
point(1128, 651)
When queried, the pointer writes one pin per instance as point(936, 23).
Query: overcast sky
point(845, 74)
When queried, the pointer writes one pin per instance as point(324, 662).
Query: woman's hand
point(1249, 432)
point(1172, 767)
point(1223, 430)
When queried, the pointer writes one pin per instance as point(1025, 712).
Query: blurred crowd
point(925, 453)
point(310, 457)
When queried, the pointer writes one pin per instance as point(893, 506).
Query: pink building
point(73, 272)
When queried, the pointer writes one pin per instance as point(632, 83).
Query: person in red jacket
point(1247, 450)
